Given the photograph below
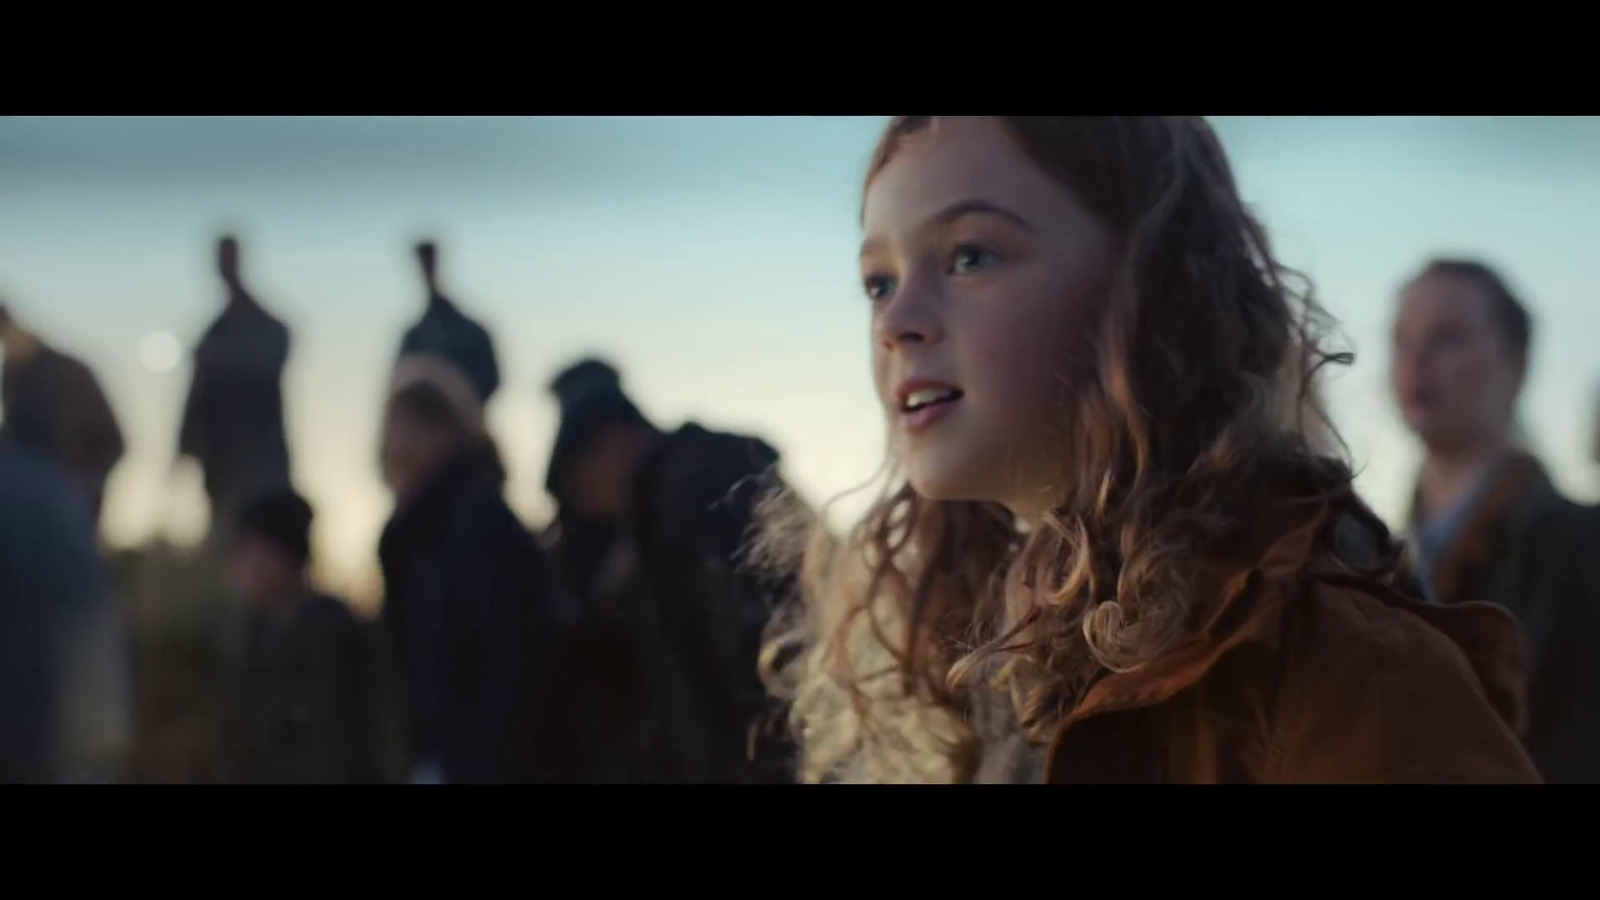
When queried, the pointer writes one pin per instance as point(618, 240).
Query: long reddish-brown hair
point(1201, 394)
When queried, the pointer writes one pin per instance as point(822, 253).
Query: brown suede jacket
point(1307, 667)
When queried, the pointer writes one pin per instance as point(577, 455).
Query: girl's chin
point(941, 487)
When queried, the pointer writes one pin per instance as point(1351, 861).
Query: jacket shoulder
point(330, 611)
point(480, 512)
point(1380, 688)
point(1553, 521)
point(704, 465)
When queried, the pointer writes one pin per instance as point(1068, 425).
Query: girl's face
point(985, 275)
point(1453, 375)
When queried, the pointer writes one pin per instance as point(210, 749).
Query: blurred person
point(1117, 545)
point(609, 643)
point(54, 403)
point(627, 696)
point(1594, 439)
point(467, 589)
point(683, 503)
point(445, 331)
point(1487, 524)
point(308, 706)
point(590, 558)
point(66, 711)
point(233, 419)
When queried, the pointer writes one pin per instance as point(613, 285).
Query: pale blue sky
point(714, 259)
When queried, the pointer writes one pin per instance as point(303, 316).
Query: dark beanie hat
point(590, 394)
point(282, 517)
point(445, 331)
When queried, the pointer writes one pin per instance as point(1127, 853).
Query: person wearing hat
point(307, 697)
point(54, 405)
point(467, 589)
point(233, 423)
point(445, 331)
point(685, 501)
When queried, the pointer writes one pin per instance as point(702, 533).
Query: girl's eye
point(970, 258)
point(878, 287)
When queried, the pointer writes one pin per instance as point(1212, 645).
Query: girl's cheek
point(1013, 354)
point(880, 372)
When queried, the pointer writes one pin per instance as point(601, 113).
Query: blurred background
point(712, 258)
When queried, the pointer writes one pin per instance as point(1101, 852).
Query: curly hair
point(1202, 398)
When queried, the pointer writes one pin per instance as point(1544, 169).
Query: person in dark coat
point(65, 675)
point(445, 331)
point(467, 590)
point(53, 403)
point(1486, 521)
point(307, 702)
point(582, 552)
point(686, 501)
point(233, 419)
point(623, 685)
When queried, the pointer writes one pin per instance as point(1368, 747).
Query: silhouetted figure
point(233, 421)
point(1486, 521)
point(445, 331)
point(685, 501)
point(467, 591)
point(54, 404)
point(308, 711)
point(65, 679)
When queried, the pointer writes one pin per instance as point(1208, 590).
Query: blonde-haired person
point(1122, 550)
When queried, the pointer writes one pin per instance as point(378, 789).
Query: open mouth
point(927, 398)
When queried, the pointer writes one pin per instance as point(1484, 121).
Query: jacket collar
point(1239, 596)
point(1244, 589)
point(1477, 542)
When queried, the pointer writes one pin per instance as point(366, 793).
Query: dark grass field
point(183, 623)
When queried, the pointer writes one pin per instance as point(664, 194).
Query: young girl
point(1121, 550)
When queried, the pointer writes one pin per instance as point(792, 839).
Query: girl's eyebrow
point(942, 218)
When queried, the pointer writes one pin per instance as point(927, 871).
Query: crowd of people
point(1119, 542)
point(619, 645)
